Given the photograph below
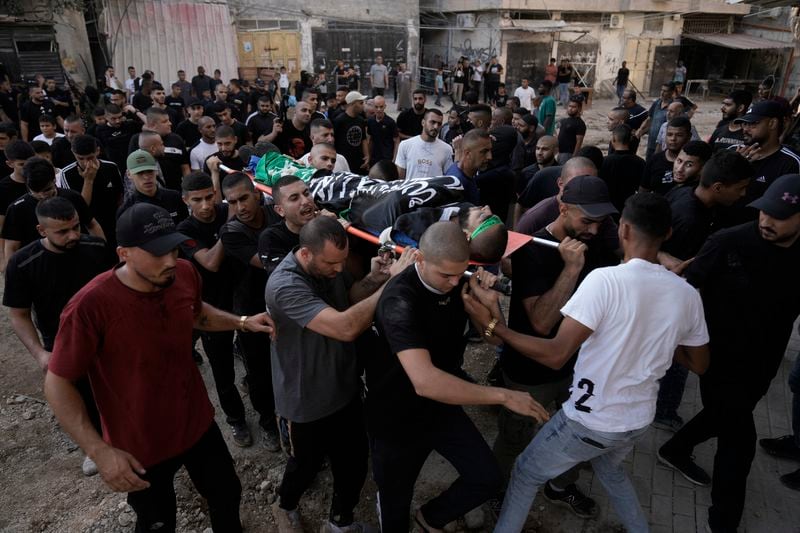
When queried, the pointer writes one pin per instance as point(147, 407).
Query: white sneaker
point(88, 467)
point(287, 521)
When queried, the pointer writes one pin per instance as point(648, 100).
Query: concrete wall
point(73, 47)
point(779, 28)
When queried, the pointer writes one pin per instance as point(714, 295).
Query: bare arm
point(401, 172)
point(186, 169)
point(553, 353)
point(396, 146)
point(9, 247)
point(695, 358)
point(23, 130)
point(548, 121)
point(644, 128)
point(346, 325)
point(212, 319)
point(578, 144)
point(211, 258)
point(23, 326)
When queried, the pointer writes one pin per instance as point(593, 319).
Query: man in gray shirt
point(379, 77)
point(320, 312)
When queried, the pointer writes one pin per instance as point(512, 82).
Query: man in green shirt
point(547, 108)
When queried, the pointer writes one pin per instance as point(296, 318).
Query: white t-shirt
point(41, 137)
point(423, 159)
point(639, 312)
point(199, 154)
point(283, 81)
point(526, 97)
point(340, 165)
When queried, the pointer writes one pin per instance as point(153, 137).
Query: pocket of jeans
point(592, 442)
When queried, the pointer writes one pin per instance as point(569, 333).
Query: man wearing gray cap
point(130, 331)
point(747, 276)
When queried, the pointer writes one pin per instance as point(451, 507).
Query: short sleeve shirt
point(20, 224)
point(547, 108)
point(422, 159)
point(568, 133)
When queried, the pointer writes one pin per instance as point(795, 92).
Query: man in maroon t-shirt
point(130, 331)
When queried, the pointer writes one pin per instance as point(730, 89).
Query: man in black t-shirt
point(729, 132)
point(349, 134)
point(657, 176)
point(260, 122)
point(224, 116)
point(142, 172)
point(174, 162)
point(115, 135)
point(637, 113)
point(382, 134)
point(205, 250)
point(414, 396)
point(571, 129)
point(62, 146)
point(20, 226)
point(36, 106)
point(294, 203)
point(409, 122)
point(227, 154)
point(240, 240)
point(545, 278)
point(176, 102)
point(8, 101)
point(293, 137)
point(42, 277)
point(622, 169)
point(187, 129)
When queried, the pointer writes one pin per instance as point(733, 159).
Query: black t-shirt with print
point(657, 176)
point(175, 156)
point(30, 112)
point(20, 224)
point(44, 281)
point(166, 198)
point(723, 138)
point(10, 191)
point(177, 104)
point(233, 162)
point(106, 194)
point(293, 142)
point(275, 243)
point(349, 133)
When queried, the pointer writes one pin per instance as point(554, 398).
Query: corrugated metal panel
point(737, 41)
point(166, 36)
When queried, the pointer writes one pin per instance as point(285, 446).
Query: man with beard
point(159, 97)
point(207, 145)
point(409, 122)
point(547, 108)
point(240, 240)
point(98, 182)
point(747, 276)
point(425, 155)
point(142, 173)
point(382, 133)
point(656, 116)
point(207, 215)
point(115, 135)
point(30, 111)
point(174, 163)
point(187, 129)
point(618, 117)
point(321, 131)
point(224, 116)
point(293, 138)
point(657, 175)
point(527, 126)
point(729, 132)
point(571, 129)
point(227, 153)
point(260, 122)
point(533, 186)
point(42, 277)
point(350, 135)
point(545, 279)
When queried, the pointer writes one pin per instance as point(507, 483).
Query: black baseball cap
point(590, 194)
point(762, 110)
point(150, 228)
point(195, 102)
point(781, 200)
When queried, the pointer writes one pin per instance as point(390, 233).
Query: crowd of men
point(125, 242)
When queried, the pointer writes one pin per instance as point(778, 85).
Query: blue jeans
point(559, 445)
point(794, 386)
point(563, 93)
point(620, 90)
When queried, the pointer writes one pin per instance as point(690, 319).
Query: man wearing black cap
point(747, 276)
point(130, 331)
point(188, 129)
point(546, 278)
point(763, 126)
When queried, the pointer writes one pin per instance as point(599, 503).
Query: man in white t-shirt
point(525, 94)
point(426, 154)
point(207, 145)
point(629, 322)
point(321, 131)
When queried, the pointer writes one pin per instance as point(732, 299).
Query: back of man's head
point(577, 166)
point(622, 135)
point(19, 151)
point(316, 233)
point(726, 167)
point(593, 154)
point(444, 241)
point(649, 214)
point(502, 115)
point(38, 173)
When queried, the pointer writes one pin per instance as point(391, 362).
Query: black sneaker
point(241, 434)
point(792, 480)
point(686, 466)
point(573, 499)
point(272, 441)
point(781, 447)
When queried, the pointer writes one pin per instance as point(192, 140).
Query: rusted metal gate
point(526, 60)
point(641, 57)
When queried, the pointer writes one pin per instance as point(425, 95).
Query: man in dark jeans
point(240, 241)
point(414, 396)
point(747, 276)
point(155, 409)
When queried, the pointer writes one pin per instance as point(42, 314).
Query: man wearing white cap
point(350, 133)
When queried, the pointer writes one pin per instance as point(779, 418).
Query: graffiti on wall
point(484, 54)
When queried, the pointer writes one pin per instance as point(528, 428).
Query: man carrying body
point(414, 396)
point(746, 276)
point(322, 133)
point(260, 122)
point(350, 135)
point(320, 313)
point(629, 321)
point(425, 155)
point(227, 154)
point(155, 411)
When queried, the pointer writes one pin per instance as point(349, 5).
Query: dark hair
point(47, 118)
point(245, 153)
point(41, 147)
point(727, 167)
point(217, 107)
point(321, 123)
point(283, 181)
point(224, 131)
point(320, 230)
point(265, 98)
point(515, 99)
point(547, 84)
point(18, 150)
point(471, 97)
point(38, 173)
point(154, 113)
point(522, 111)
point(385, 169)
point(419, 91)
point(577, 98)
point(480, 108)
point(682, 123)
point(84, 145)
point(8, 128)
point(649, 213)
point(176, 84)
point(98, 111)
point(307, 93)
point(112, 109)
point(432, 110)
point(56, 208)
point(72, 119)
point(631, 94)
point(196, 181)
point(235, 179)
point(698, 149)
point(622, 134)
point(592, 153)
point(118, 91)
point(343, 88)
point(669, 85)
point(741, 97)
point(264, 147)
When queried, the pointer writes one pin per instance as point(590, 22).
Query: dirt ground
point(42, 488)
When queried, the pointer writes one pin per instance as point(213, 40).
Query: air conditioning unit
point(617, 21)
point(465, 21)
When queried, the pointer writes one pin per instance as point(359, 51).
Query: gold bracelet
point(242, 320)
point(489, 331)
